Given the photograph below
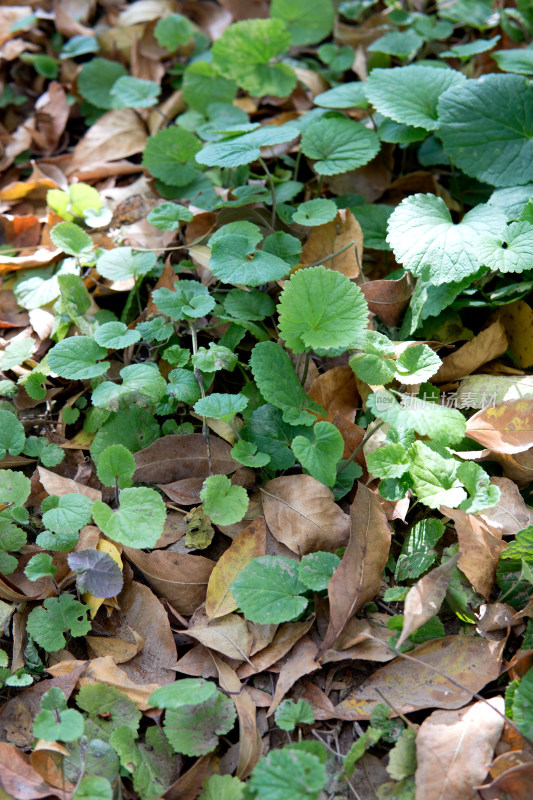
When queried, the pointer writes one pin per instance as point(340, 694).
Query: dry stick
point(332, 255)
point(360, 446)
point(200, 382)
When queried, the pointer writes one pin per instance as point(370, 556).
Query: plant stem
point(360, 446)
point(306, 366)
point(200, 382)
point(272, 189)
point(319, 186)
point(332, 255)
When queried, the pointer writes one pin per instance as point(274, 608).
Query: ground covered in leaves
point(266, 401)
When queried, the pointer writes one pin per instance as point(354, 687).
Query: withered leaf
point(174, 457)
point(505, 427)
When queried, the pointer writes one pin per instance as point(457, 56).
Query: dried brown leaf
point(228, 635)
point(505, 427)
point(250, 744)
point(336, 391)
point(285, 638)
point(299, 662)
point(480, 545)
point(424, 599)
point(486, 346)
point(117, 134)
point(174, 457)
point(327, 239)
point(20, 780)
point(388, 299)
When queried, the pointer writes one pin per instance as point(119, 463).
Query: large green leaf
point(203, 85)
point(76, 358)
point(306, 23)
point(234, 260)
point(418, 552)
point(511, 251)
point(338, 144)
point(107, 708)
point(410, 94)
point(434, 474)
point(151, 764)
point(246, 53)
point(444, 425)
point(431, 246)
point(288, 774)
point(486, 127)
point(12, 435)
point(321, 308)
point(138, 521)
point(221, 406)
point(169, 155)
point(122, 263)
point(67, 513)
point(58, 615)
point(268, 590)
point(523, 705)
point(189, 300)
point(142, 385)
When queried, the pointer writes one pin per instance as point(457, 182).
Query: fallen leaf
point(388, 299)
point(510, 514)
point(185, 492)
point(322, 706)
point(228, 635)
point(174, 457)
point(454, 749)
point(57, 485)
point(333, 236)
point(471, 661)
point(505, 427)
point(517, 467)
point(250, 744)
point(35, 258)
point(47, 760)
point(517, 319)
point(189, 784)
point(486, 346)
point(302, 514)
point(480, 545)
point(424, 599)
point(299, 662)
point(198, 662)
point(251, 543)
point(286, 637)
point(336, 391)
point(20, 780)
point(516, 783)
point(362, 639)
point(357, 579)
point(227, 677)
point(179, 578)
point(117, 134)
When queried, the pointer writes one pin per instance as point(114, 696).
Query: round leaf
point(138, 521)
point(97, 573)
point(268, 590)
point(315, 212)
point(320, 457)
point(75, 358)
point(221, 406)
point(223, 503)
point(116, 463)
point(115, 335)
point(338, 145)
point(307, 23)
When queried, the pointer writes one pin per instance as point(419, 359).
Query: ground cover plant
point(266, 401)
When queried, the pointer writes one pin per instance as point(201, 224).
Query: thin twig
point(332, 255)
point(360, 446)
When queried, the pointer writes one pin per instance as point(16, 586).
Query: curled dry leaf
point(299, 662)
point(182, 456)
point(336, 391)
point(388, 299)
point(58, 485)
point(250, 744)
point(409, 686)
point(117, 134)
point(285, 638)
point(424, 599)
point(228, 635)
point(327, 239)
point(358, 577)
point(251, 543)
point(505, 427)
point(480, 545)
point(362, 639)
point(179, 578)
point(302, 514)
point(486, 346)
point(454, 749)
point(20, 780)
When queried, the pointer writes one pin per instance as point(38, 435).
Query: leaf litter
point(265, 458)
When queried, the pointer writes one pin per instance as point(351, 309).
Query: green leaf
point(320, 457)
point(278, 383)
point(135, 428)
point(122, 263)
point(246, 453)
point(471, 13)
point(509, 251)
point(368, 739)
point(410, 94)
point(241, 150)
point(107, 709)
point(47, 623)
point(338, 144)
point(375, 365)
point(75, 299)
point(402, 757)
point(315, 212)
point(40, 566)
point(523, 705)
point(217, 357)
point(288, 774)
point(173, 31)
point(416, 364)
point(477, 483)
point(373, 220)
point(347, 95)
point(56, 722)
point(470, 49)
point(222, 787)
point(79, 46)
point(115, 335)
point(142, 385)
point(521, 546)
point(284, 246)
point(268, 590)
point(138, 521)
point(183, 385)
point(167, 216)
point(289, 714)
point(94, 787)
point(96, 79)
point(96, 573)
point(388, 461)
point(486, 128)
point(223, 503)
point(71, 239)
point(12, 435)
point(321, 308)
point(57, 542)
point(271, 435)
point(48, 453)
point(34, 385)
point(169, 155)
point(434, 475)
point(75, 358)
point(519, 60)
point(316, 569)
point(189, 300)
point(151, 764)
point(402, 44)
point(67, 513)
point(232, 262)
point(251, 305)
point(444, 425)
point(116, 464)
point(14, 486)
point(203, 85)
point(183, 692)
point(12, 538)
point(418, 552)
point(221, 406)
point(131, 92)
point(306, 24)
point(16, 353)
point(194, 729)
point(428, 243)
point(246, 52)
